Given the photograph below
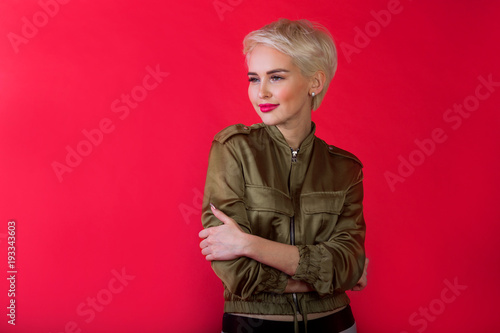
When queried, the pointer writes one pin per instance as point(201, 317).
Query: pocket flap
point(264, 198)
point(322, 202)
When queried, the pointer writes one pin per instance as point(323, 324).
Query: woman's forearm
point(278, 255)
point(296, 286)
point(228, 242)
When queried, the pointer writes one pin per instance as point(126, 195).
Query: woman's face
point(278, 91)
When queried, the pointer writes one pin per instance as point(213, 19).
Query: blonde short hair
point(309, 44)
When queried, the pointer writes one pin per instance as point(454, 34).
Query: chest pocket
point(269, 211)
point(321, 213)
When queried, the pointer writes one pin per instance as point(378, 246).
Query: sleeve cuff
point(314, 269)
point(308, 267)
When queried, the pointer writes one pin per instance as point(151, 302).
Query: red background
point(133, 203)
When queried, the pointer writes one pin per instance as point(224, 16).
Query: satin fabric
point(252, 179)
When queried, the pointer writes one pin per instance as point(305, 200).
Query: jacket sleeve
point(224, 187)
point(337, 264)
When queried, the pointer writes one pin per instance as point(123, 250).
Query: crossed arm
point(228, 242)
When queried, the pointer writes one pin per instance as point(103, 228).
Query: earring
point(313, 94)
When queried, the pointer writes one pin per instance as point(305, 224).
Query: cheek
point(252, 93)
point(285, 94)
point(294, 93)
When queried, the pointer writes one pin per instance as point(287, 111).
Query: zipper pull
point(294, 154)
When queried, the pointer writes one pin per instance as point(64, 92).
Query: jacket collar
point(277, 136)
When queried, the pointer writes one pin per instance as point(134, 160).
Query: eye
point(253, 79)
point(276, 78)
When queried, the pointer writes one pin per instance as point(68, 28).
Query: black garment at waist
point(336, 322)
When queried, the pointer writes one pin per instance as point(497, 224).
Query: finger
point(359, 286)
point(209, 256)
point(204, 233)
point(220, 215)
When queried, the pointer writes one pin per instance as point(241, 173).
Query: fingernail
point(212, 205)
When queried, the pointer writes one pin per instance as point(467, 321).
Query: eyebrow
point(277, 70)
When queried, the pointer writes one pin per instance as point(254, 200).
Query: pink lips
point(267, 107)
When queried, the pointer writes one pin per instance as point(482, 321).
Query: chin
point(270, 122)
point(268, 119)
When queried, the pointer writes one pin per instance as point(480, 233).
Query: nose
point(264, 91)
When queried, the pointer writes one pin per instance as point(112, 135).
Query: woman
point(282, 209)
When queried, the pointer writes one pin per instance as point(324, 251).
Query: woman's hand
point(363, 280)
point(224, 242)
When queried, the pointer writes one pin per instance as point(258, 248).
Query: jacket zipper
point(292, 242)
point(292, 228)
point(294, 155)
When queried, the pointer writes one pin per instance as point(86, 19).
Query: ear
point(317, 82)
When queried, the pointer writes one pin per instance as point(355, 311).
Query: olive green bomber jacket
point(312, 201)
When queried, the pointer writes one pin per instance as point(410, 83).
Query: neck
point(294, 135)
